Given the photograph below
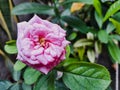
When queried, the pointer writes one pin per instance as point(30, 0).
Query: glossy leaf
point(112, 10)
point(28, 8)
point(4, 85)
point(114, 51)
point(98, 7)
point(83, 76)
point(31, 75)
point(19, 65)
point(83, 42)
point(116, 24)
point(76, 23)
point(83, 1)
point(46, 82)
point(66, 63)
point(103, 36)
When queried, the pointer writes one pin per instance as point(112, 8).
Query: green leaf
point(4, 85)
point(85, 76)
point(117, 37)
point(83, 42)
point(114, 51)
point(66, 63)
point(31, 75)
point(76, 23)
point(91, 55)
point(82, 1)
point(98, 7)
point(103, 36)
point(67, 51)
point(16, 75)
point(46, 82)
point(28, 8)
point(72, 36)
point(116, 16)
point(116, 24)
point(112, 10)
point(19, 65)
point(98, 20)
point(81, 52)
point(26, 87)
point(59, 85)
point(110, 27)
point(66, 12)
point(10, 47)
point(15, 87)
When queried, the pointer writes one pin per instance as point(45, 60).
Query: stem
point(117, 76)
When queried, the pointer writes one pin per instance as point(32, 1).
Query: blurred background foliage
point(92, 26)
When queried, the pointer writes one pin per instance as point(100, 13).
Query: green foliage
point(110, 27)
point(116, 24)
point(31, 75)
point(26, 87)
point(83, 74)
point(83, 42)
point(98, 20)
point(98, 7)
point(15, 87)
point(112, 10)
point(91, 55)
point(76, 23)
point(19, 65)
point(67, 51)
point(28, 8)
point(114, 51)
point(16, 75)
point(4, 85)
point(103, 36)
point(83, 1)
point(93, 27)
point(72, 36)
point(10, 47)
point(46, 82)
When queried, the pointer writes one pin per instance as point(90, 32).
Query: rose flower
point(41, 44)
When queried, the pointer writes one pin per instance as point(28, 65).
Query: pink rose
point(41, 44)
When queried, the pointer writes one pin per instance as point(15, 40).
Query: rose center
point(42, 41)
